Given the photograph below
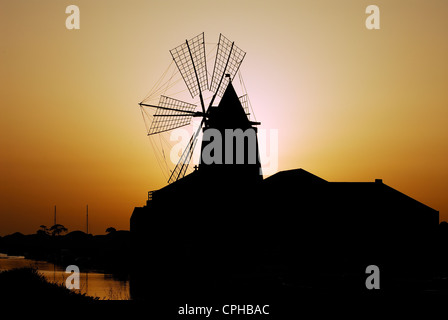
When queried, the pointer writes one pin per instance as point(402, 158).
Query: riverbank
point(27, 284)
point(104, 286)
point(25, 293)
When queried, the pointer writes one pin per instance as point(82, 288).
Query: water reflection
point(92, 283)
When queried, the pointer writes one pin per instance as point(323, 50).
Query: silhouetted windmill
point(190, 59)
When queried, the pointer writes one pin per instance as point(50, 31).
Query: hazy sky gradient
point(350, 104)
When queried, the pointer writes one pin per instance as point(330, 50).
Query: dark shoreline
point(27, 284)
point(106, 253)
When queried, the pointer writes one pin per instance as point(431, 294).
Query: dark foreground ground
point(25, 293)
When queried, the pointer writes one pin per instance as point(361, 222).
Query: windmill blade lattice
point(182, 165)
point(171, 114)
point(228, 60)
point(245, 103)
point(191, 62)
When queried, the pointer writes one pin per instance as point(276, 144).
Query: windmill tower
point(229, 148)
point(186, 243)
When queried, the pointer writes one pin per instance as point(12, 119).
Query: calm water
point(92, 283)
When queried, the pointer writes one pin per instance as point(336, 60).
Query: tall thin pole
point(87, 219)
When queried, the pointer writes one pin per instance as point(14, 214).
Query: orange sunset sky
point(349, 104)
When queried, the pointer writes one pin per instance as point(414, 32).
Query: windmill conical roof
point(229, 114)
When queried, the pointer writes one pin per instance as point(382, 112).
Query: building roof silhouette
point(294, 176)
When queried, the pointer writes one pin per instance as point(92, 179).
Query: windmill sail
point(191, 62)
point(244, 103)
point(182, 165)
point(228, 60)
point(171, 114)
